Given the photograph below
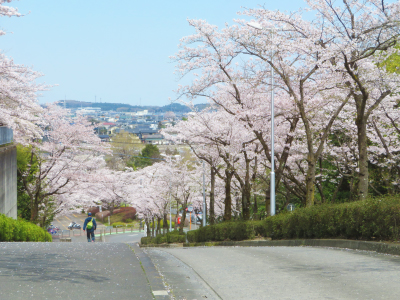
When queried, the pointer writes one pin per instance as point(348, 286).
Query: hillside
point(105, 106)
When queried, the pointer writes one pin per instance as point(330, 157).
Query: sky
point(112, 51)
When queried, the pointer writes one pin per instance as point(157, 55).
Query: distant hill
point(105, 106)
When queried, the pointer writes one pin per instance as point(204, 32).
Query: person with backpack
point(90, 226)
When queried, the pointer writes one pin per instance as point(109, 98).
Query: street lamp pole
point(272, 184)
point(204, 196)
point(170, 203)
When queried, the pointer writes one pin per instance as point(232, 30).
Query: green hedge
point(162, 223)
point(372, 219)
point(233, 231)
point(21, 231)
point(170, 237)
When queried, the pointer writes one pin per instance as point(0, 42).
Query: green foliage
point(26, 162)
point(147, 240)
point(170, 237)
point(372, 219)
point(149, 155)
point(226, 231)
point(162, 224)
point(161, 239)
point(175, 237)
point(118, 224)
point(21, 231)
point(393, 63)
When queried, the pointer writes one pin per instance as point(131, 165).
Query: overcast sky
point(116, 51)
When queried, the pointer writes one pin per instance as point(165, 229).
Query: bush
point(20, 231)
point(162, 224)
point(175, 237)
point(170, 237)
point(161, 239)
point(118, 224)
point(147, 240)
point(231, 231)
point(368, 220)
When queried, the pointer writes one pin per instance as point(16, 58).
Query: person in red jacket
point(90, 226)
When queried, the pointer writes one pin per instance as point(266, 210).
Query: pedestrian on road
point(90, 226)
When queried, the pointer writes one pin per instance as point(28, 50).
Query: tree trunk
point(362, 159)
point(267, 201)
point(212, 197)
point(246, 195)
point(246, 192)
point(228, 196)
point(111, 208)
point(34, 212)
point(165, 224)
point(255, 208)
point(310, 181)
point(152, 227)
point(177, 215)
point(158, 231)
point(183, 219)
point(148, 233)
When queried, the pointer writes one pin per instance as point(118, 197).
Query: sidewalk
point(72, 271)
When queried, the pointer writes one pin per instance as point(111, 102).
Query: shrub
point(20, 230)
point(161, 239)
point(147, 240)
point(370, 219)
point(162, 224)
point(170, 237)
point(175, 237)
point(234, 231)
point(118, 224)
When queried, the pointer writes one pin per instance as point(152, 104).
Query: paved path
point(67, 271)
point(278, 273)
point(119, 269)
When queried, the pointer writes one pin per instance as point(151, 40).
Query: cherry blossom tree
point(319, 66)
point(68, 150)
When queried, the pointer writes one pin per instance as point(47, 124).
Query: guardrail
point(6, 135)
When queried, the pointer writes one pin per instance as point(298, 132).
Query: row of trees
point(336, 85)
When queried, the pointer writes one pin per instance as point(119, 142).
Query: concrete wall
point(8, 181)
point(6, 135)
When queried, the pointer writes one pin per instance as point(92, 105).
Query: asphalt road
point(277, 273)
point(119, 269)
point(73, 271)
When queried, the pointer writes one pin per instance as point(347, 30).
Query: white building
point(88, 110)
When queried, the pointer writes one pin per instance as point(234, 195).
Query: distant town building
point(88, 110)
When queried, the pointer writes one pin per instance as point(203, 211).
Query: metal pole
point(272, 201)
point(170, 203)
point(204, 196)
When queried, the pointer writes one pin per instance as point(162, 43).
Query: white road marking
point(160, 293)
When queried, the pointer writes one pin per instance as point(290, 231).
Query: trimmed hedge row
point(162, 223)
point(372, 219)
point(21, 231)
point(121, 224)
point(170, 237)
point(233, 231)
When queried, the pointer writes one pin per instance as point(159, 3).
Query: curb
point(162, 245)
point(379, 247)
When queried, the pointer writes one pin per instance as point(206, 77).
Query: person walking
point(90, 226)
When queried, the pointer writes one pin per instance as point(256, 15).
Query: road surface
point(119, 269)
point(278, 273)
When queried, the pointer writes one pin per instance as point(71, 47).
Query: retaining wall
point(8, 174)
